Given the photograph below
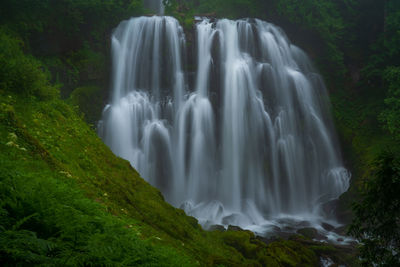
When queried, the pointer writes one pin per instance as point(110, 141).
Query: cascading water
point(251, 141)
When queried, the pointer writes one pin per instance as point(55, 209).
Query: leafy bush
point(377, 216)
point(391, 115)
point(67, 17)
point(323, 17)
point(68, 36)
point(22, 73)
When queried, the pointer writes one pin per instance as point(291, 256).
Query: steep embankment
point(65, 198)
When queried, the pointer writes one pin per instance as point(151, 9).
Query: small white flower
point(11, 143)
point(12, 136)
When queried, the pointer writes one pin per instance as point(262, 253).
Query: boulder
point(234, 228)
point(308, 232)
point(217, 227)
point(311, 233)
point(327, 227)
point(342, 230)
point(302, 224)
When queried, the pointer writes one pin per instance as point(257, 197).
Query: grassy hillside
point(45, 216)
point(67, 200)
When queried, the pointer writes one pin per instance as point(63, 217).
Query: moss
point(278, 253)
point(308, 232)
point(45, 219)
point(291, 253)
point(188, 22)
point(243, 242)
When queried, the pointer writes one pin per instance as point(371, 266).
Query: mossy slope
point(45, 219)
point(68, 148)
point(47, 142)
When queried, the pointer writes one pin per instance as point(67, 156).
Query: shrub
point(20, 73)
point(377, 216)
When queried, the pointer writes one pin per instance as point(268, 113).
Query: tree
point(391, 114)
point(377, 215)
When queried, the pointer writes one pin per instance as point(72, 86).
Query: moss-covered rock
point(308, 232)
point(290, 253)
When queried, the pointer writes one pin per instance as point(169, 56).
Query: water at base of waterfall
point(249, 143)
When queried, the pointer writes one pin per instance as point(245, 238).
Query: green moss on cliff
point(48, 143)
point(46, 219)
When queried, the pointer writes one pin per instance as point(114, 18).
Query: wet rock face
point(303, 224)
point(234, 228)
point(282, 235)
point(217, 227)
point(336, 210)
point(341, 230)
point(327, 227)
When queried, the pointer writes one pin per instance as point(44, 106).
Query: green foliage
point(82, 66)
point(69, 17)
point(278, 253)
point(24, 15)
point(22, 73)
point(68, 36)
point(391, 115)
point(385, 50)
point(392, 30)
point(377, 219)
point(289, 253)
point(296, 251)
point(323, 17)
point(46, 219)
point(376, 222)
point(64, 147)
point(232, 9)
point(359, 107)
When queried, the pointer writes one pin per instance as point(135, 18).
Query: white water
point(249, 143)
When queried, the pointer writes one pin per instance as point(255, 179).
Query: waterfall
point(251, 139)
